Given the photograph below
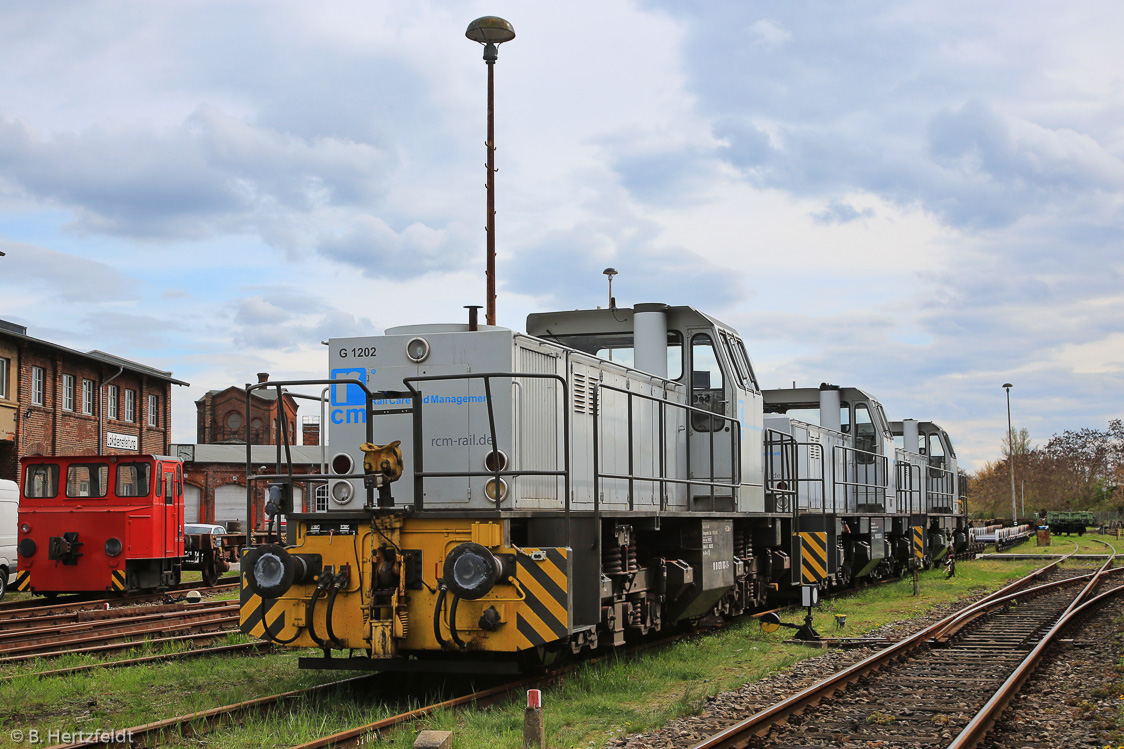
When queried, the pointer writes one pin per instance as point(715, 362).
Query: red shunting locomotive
point(100, 523)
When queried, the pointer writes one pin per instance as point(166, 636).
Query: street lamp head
point(1007, 385)
point(490, 30)
point(610, 272)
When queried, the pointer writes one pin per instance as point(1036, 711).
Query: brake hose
point(453, 622)
point(339, 582)
point(437, 617)
point(310, 613)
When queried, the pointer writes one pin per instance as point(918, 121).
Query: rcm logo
point(349, 394)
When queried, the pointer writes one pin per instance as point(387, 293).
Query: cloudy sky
point(921, 199)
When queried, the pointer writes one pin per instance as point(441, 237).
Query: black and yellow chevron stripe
point(813, 557)
point(544, 615)
point(23, 580)
point(259, 617)
point(117, 581)
point(918, 542)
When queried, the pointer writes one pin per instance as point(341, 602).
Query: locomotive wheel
point(210, 574)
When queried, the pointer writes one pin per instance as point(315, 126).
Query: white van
point(9, 519)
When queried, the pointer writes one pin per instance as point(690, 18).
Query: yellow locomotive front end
point(388, 586)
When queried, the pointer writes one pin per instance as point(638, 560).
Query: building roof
point(259, 454)
point(19, 332)
point(265, 394)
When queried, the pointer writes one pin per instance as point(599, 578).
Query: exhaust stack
point(911, 439)
point(830, 407)
point(649, 325)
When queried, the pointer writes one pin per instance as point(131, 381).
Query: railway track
point(25, 609)
point(115, 628)
point(203, 652)
point(943, 687)
point(203, 721)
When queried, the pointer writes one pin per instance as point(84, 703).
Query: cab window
point(87, 480)
point(133, 479)
point(41, 481)
point(706, 384)
point(739, 348)
point(739, 366)
point(866, 437)
point(618, 348)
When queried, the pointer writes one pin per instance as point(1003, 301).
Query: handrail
point(420, 474)
point(663, 480)
point(283, 434)
point(880, 463)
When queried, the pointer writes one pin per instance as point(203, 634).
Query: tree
point(1077, 469)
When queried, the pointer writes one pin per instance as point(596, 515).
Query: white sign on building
point(121, 441)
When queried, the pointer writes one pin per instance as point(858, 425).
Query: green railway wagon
point(1069, 521)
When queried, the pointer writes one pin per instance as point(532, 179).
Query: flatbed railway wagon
point(97, 523)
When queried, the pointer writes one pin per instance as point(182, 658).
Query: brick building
point(221, 416)
point(58, 401)
point(215, 469)
point(215, 481)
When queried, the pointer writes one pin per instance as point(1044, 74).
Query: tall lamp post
point(1011, 453)
point(491, 31)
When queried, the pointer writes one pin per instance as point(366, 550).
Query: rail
point(974, 733)
point(737, 734)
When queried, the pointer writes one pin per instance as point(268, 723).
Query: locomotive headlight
point(417, 350)
point(342, 464)
point(341, 492)
point(113, 547)
point(273, 570)
point(471, 571)
point(495, 460)
point(495, 491)
point(25, 528)
point(27, 547)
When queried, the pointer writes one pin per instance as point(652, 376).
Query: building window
point(88, 397)
point(153, 407)
point(68, 392)
point(130, 405)
point(4, 363)
point(38, 389)
point(111, 401)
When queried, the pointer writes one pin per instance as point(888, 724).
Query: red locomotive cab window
point(134, 479)
point(87, 480)
point(41, 481)
point(169, 488)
